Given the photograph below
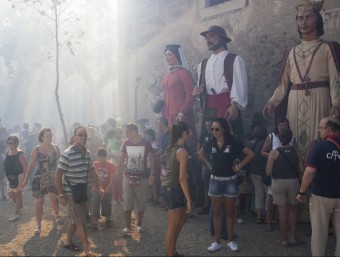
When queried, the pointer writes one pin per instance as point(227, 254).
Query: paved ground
point(17, 239)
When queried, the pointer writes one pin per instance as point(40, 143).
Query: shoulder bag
point(267, 180)
point(79, 191)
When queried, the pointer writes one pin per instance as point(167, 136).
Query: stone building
point(260, 30)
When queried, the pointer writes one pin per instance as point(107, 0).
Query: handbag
point(79, 191)
point(266, 180)
point(13, 181)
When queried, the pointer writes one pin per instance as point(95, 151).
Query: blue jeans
point(226, 188)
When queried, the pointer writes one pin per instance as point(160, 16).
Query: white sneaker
point(240, 221)
point(37, 231)
point(14, 217)
point(140, 229)
point(233, 246)
point(126, 230)
point(214, 247)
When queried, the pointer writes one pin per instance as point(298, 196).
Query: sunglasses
point(82, 135)
point(215, 129)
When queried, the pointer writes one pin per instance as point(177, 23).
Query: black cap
point(218, 30)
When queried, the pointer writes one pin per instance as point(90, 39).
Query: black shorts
point(173, 197)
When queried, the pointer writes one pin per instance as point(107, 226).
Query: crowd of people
point(221, 169)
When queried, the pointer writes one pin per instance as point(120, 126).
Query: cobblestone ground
point(17, 238)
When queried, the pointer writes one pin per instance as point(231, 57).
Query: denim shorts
point(227, 188)
point(173, 198)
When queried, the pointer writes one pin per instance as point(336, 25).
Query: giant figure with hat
point(223, 82)
point(308, 83)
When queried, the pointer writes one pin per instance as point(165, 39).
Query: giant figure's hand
point(197, 91)
point(232, 112)
point(335, 112)
point(268, 109)
point(180, 117)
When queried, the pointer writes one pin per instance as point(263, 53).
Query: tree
point(55, 12)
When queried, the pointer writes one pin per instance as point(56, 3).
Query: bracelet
point(300, 193)
point(237, 104)
point(60, 196)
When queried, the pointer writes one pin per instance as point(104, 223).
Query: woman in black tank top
point(284, 166)
point(15, 167)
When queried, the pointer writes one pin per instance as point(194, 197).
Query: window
point(212, 9)
point(209, 3)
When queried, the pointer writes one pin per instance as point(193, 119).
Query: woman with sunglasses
point(219, 154)
point(45, 157)
point(15, 167)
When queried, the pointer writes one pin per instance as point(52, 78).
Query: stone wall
point(260, 29)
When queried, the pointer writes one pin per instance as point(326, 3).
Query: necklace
point(305, 79)
point(303, 53)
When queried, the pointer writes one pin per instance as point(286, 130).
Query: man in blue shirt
point(323, 174)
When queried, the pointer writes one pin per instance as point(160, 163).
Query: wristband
point(300, 193)
point(237, 104)
point(60, 196)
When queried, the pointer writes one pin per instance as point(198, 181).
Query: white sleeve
point(239, 90)
point(199, 73)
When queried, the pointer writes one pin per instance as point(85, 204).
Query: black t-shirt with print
point(325, 158)
point(222, 159)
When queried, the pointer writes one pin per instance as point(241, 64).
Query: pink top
point(178, 87)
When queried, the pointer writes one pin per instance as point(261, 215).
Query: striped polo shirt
point(74, 166)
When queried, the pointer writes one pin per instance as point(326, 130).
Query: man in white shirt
point(223, 81)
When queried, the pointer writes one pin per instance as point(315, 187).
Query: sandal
point(296, 243)
point(259, 221)
point(268, 229)
point(283, 244)
point(72, 247)
point(58, 220)
point(91, 254)
point(178, 254)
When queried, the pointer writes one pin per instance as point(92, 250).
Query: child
point(106, 173)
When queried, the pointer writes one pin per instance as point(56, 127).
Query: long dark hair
point(176, 132)
point(227, 131)
point(319, 24)
point(280, 120)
